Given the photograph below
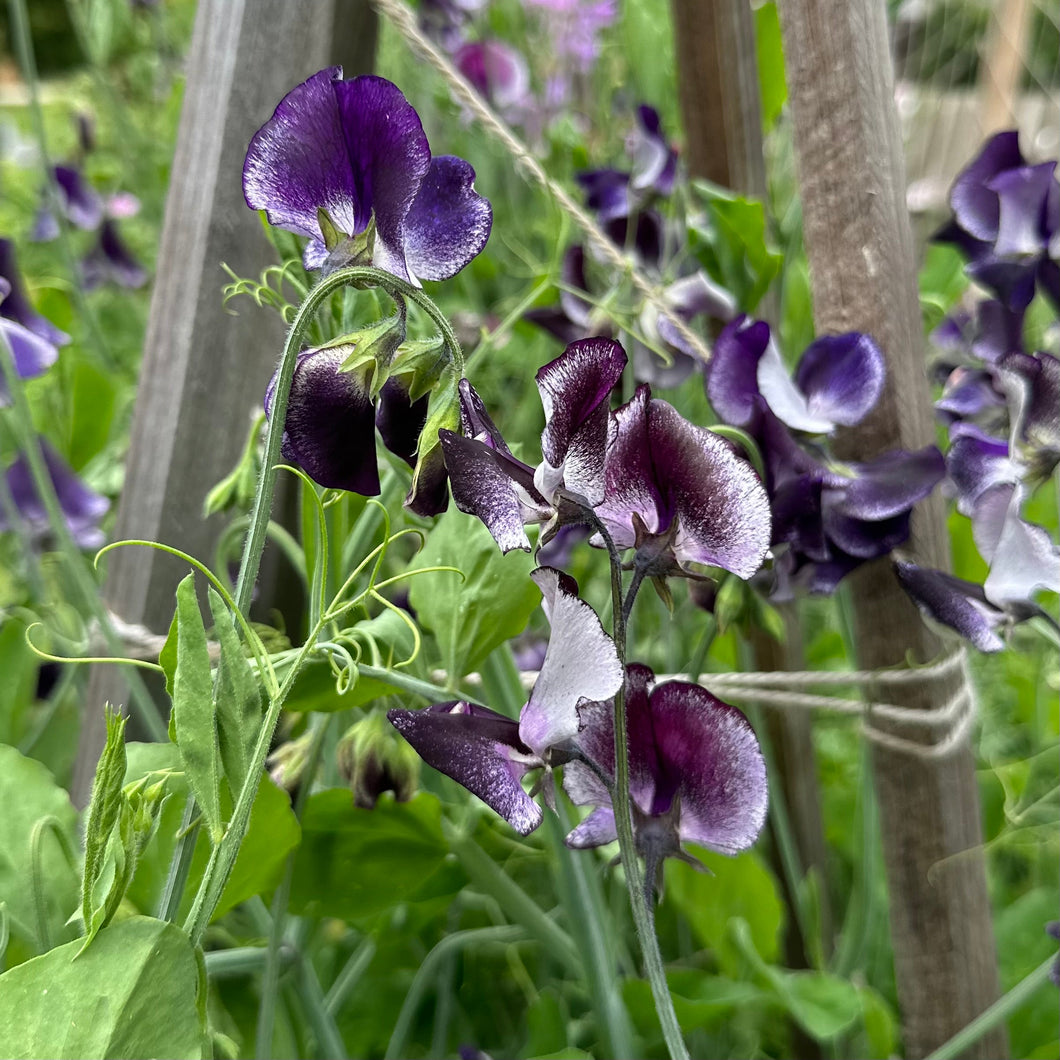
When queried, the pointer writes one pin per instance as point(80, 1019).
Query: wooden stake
point(859, 243)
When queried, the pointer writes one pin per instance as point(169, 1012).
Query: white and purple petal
point(974, 204)
point(1022, 195)
point(15, 305)
point(732, 378)
point(842, 377)
point(953, 602)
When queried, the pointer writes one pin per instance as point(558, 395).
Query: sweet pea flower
point(497, 72)
point(337, 155)
point(488, 753)
point(78, 201)
point(696, 773)
point(15, 305)
point(32, 355)
point(82, 507)
point(111, 261)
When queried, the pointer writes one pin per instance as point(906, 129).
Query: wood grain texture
point(204, 369)
point(859, 243)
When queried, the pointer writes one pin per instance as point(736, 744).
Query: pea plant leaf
point(193, 709)
point(134, 993)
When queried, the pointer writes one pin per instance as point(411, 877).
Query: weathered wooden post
point(858, 239)
point(722, 114)
point(205, 369)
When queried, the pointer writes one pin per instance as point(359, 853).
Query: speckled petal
point(580, 664)
point(448, 223)
point(479, 749)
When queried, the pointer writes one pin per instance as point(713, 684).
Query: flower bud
point(373, 759)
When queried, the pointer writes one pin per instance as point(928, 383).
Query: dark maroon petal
point(581, 663)
point(298, 163)
point(399, 420)
point(888, 485)
point(1022, 194)
point(330, 427)
point(448, 223)
point(956, 603)
point(483, 487)
point(389, 159)
point(975, 462)
point(80, 202)
point(480, 750)
point(475, 421)
point(606, 192)
point(732, 379)
point(631, 487)
point(974, 204)
point(15, 305)
point(842, 377)
point(710, 752)
point(575, 389)
point(721, 507)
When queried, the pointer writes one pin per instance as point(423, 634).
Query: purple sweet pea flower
point(110, 260)
point(351, 151)
point(696, 772)
point(81, 507)
point(31, 354)
point(1034, 385)
point(654, 160)
point(679, 494)
point(488, 753)
point(16, 306)
point(497, 72)
point(506, 494)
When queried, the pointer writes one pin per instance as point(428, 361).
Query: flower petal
point(1022, 194)
point(581, 663)
point(842, 377)
point(479, 749)
point(975, 462)
point(787, 402)
point(606, 192)
point(1022, 556)
point(974, 204)
point(448, 222)
point(956, 603)
point(80, 201)
point(15, 305)
point(888, 485)
point(330, 427)
point(1036, 382)
point(32, 355)
point(732, 378)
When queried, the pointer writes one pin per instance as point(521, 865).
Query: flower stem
point(643, 913)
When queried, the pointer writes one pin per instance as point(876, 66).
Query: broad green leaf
point(132, 994)
point(771, 76)
point(355, 863)
point(92, 401)
point(28, 794)
point(740, 887)
point(701, 1002)
point(103, 811)
point(193, 716)
point(881, 1032)
point(492, 603)
point(238, 703)
point(823, 1005)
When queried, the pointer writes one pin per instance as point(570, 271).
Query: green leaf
point(103, 812)
point(238, 702)
point(355, 863)
point(133, 994)
point(193, 719)
point(27, 794)
point(771, 75)
point(491, 604)
point(740, 887)
point(701, 1002)
point(19, 667)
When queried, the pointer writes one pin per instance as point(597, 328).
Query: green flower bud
point(373, 759)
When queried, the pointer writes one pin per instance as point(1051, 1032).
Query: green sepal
point(331, 235)
point(104, 808)
point(443, 412)
point(421, 362)
point(375, 346)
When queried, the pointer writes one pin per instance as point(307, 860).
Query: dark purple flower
point(497, 72)
point(696, 772)
point(679, 494)
point(336, 154)
point(488, 753)
point(654, 160)
point(110, 260)
point(81, 507)
point(1034, 384)
point(16, 306)
point(976, 461)
point(31, 354)
point(976, 207)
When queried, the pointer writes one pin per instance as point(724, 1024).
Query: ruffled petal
point(479, 749)
point(448, 223)
point(1036, 382)
point(786, 401)
point(581, 663)
point(975, 462)
point(597, 830)
point(842, 377)
point(330, 427)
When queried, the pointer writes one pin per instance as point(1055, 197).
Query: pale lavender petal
point(842, 377)
point(787, 402)
point(448, 222)
point(732, 379)
point(597, 830)
point(330, 426)
point(976, 461)
point(479, 749)
point(498, 72)
point(654, 162)
point(580, 664)
point(575, 389)
point(1022, 556)
point(968, 392)
point(974, 204)
point(297, 162)
point(709, 751)
point(32, 355)
point(953, 602)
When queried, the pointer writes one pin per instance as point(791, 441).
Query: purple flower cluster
point(676, 493)
point(829, 517)
point(696, 770)
point(1000, 401)
point(624, 202)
